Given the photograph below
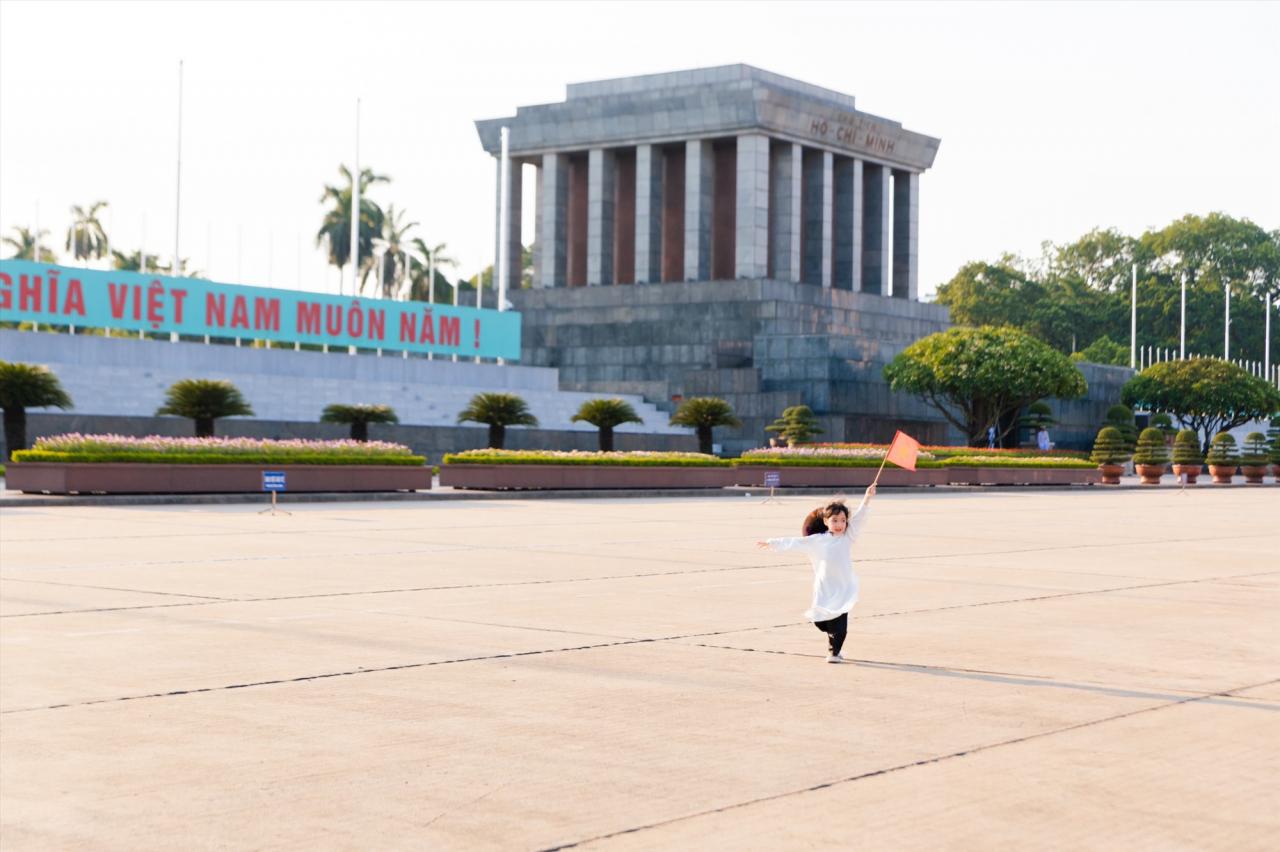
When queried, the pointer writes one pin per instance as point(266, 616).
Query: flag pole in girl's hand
point(902, 452)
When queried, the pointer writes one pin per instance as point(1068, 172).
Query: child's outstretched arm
point(859, 517)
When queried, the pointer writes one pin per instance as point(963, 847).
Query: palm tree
point(24, 386)
point(704, 413)
point(25, 242)
point(605, 414)
point(395, 256)
point(204, 400)
point(499, 410)
point(359, 416)
point(419, 265)
point(336, 228)
point(86, 238)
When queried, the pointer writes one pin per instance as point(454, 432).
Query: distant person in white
point(1042, 439)
point(829, 533)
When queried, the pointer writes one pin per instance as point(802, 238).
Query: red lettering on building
point(308, 318)
point(240, 313)
point(178, 296)
point(266, 313)
point(377, 324)
point(450, 331)
point(6, 294)
point(29, 295)
point(215, 309)
point(333, 320)
point(408, 329)
point(74, 303)
point(117, 295)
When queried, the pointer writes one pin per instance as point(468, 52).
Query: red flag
point(903, 450)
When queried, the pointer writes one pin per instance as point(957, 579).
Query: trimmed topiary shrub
point(1186, 448)
point(797, 425)
point(1151, 448)
point(1164, 423)
point(1121, 417)
point(1254, 451)
point(1109, 447)
point(1222, 458)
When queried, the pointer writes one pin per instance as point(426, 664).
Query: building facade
point(715, 174)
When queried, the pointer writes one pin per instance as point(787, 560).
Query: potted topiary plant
point(1164, 423)
point(1121, 417)
point(1109, 454)
point(1222, 458)
point(1151, 456)
point(1187, 460)
point(1253, 458)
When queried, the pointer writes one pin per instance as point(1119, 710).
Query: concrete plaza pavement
point(1084, 669)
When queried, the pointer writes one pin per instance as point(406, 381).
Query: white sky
point(1054, 118)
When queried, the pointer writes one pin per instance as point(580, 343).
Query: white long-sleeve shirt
point(835, 585)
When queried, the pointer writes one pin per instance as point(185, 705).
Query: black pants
point(835, 628)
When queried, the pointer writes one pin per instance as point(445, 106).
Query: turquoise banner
point(132, 301)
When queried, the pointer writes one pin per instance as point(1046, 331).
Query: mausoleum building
point(714, 174)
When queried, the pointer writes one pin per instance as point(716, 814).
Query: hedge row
point(618, 459)
point(398, 459)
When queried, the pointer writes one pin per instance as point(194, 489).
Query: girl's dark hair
point(835, 508)
point(814, 522)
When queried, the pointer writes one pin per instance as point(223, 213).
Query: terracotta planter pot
point(1275, 471)
point(1222, 473)
point(1150, 473)
point(1253, 473)
point(1191, 471)
point(1111, 473)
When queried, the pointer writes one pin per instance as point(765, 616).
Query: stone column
point(815, 266)
point(875, 229)
point(515, 249)
point(906, 235)
point(699, 164)
point(600, 188)
point(648, 214)
point(537, 226)
point(553, 233)
point(785, 175)
point(847, 224)
point(751, 245)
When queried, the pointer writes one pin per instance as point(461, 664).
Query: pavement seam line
point(903, 766)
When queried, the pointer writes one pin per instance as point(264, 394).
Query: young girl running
point(829, 532)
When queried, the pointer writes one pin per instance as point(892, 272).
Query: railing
point(1148, 355)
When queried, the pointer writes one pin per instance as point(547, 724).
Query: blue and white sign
point(772, 479)
point(93, 298)
point(273, 480)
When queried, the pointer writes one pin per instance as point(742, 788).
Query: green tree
point(605, 414)
point(1104, 350)
point(1209, 395)
point(392, 243)
point(499, 410)
point(797, 425)
point(702, 414)
point(990, 294)
point(204, 401)
point(86, 238)
point(24, 386)
point(359, 417)
point(419, 265)
point(981, 377)
point(335, 230)
point(24, 242)
point(136, 261)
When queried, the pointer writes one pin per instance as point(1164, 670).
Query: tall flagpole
point(1226, 325)
point(177, 184)
point(504, 192)
point(355, 214)
point(1182, 335)
point(1133, 321)
point(1266, 343)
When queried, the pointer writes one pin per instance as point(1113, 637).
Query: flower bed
point(942, 451)
point(116, 464)
point(577, 457)
point(153, 449)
